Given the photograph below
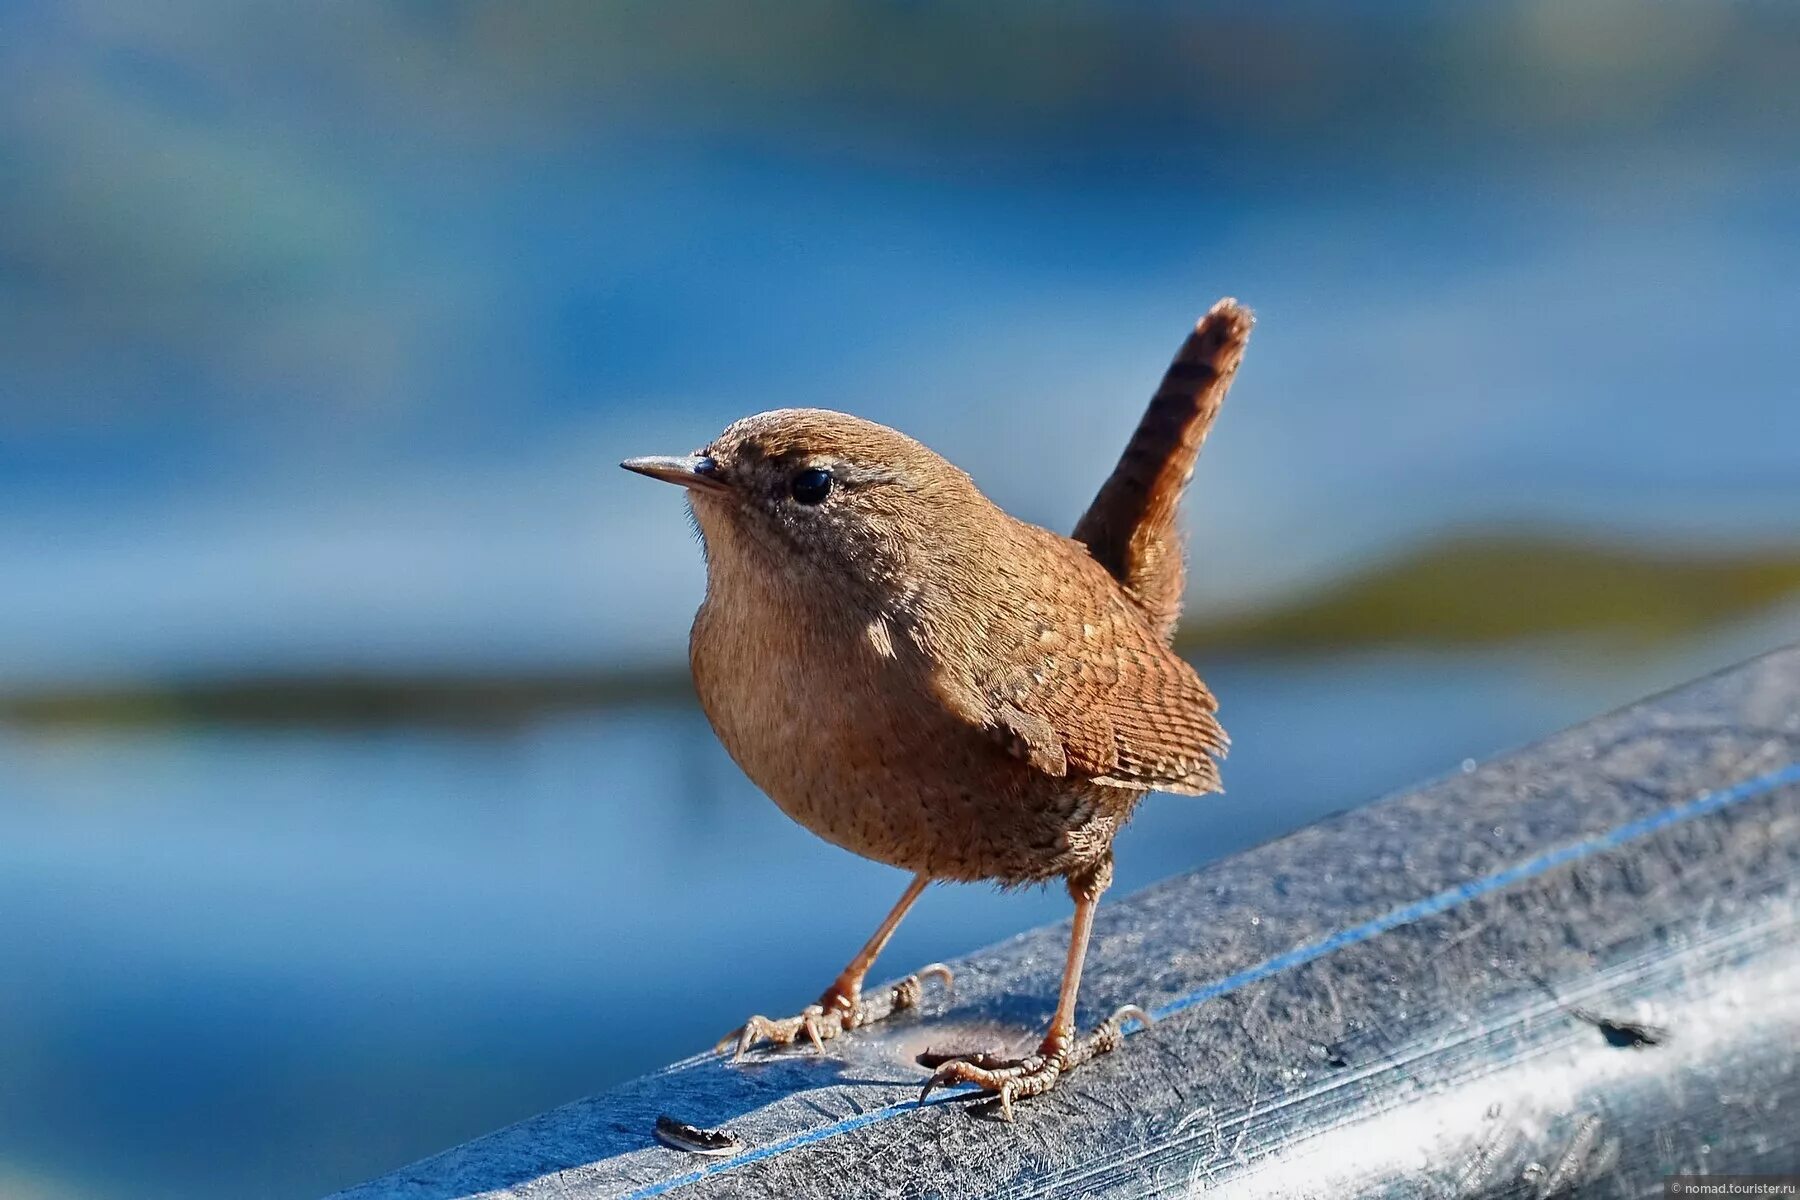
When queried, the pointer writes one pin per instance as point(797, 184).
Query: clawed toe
point(1007, 1079)
point(815, 1022)
point(834, 1014)
point(908, 993)
point(911, 990)
point(940, 971)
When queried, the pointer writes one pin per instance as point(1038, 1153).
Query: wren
point(921, 678)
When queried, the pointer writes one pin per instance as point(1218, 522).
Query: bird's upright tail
point(1130, 526)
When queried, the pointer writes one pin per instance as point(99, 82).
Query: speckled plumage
point(1005, 740)
point(921, 678)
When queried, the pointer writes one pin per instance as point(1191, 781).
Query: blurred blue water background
point(322, 327)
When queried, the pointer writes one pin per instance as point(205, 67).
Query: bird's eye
point(810, 486)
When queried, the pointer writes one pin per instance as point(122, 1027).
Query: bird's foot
point(838, 1010)
point(1010, 1079)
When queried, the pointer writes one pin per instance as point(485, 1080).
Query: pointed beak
point(697, 472)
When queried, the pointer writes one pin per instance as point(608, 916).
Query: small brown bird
point(918, 677)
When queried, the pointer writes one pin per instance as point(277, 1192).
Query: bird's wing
point(1090, 691)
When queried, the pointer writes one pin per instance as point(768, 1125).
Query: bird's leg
point(842, 1006)
point(1061, 1050)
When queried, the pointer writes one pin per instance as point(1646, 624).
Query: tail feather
point(1130, 527)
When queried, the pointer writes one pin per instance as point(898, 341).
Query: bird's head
point(817, 491)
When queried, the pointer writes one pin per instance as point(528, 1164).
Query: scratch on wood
point(1572, 1164)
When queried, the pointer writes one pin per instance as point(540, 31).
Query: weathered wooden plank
point(1578, 963)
